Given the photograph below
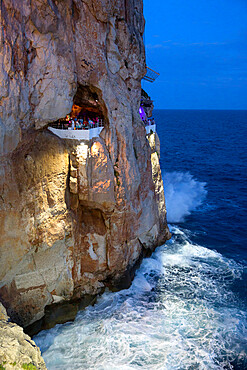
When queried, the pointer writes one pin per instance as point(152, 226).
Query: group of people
point(85, 123)
point(78, 123)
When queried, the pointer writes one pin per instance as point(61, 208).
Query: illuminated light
point(142, 113)
point(152, 140)
point(81, 152)
point(95, 148)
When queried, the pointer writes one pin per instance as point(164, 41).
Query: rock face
point(17, 350)
point(74, 217)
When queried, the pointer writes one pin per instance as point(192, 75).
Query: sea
point(187, 305)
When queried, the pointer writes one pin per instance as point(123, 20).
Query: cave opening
point(87, 112)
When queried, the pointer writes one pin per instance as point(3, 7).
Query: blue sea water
point(187, 306)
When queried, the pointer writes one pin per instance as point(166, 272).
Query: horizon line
point(213, 109)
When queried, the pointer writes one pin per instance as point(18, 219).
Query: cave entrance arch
point(87, 103)
point(86, 119)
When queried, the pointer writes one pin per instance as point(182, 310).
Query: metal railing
point(151, 75)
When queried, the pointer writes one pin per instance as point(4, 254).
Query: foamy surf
point(179, 313)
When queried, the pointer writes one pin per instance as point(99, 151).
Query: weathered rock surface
point(74, 217)
point(16, 348)
point(154, 143)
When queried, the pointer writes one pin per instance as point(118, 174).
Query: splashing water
point(179, 313)
point(183, 195)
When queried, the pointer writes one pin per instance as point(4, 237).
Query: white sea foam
point(183, 195)
point(179, 313)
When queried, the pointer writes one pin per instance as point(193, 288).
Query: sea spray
point(183, 195)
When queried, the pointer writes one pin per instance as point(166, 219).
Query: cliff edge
point(75, 217)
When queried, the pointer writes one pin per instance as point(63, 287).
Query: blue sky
point(199, 47)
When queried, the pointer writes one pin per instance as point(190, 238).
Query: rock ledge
point(17, 350)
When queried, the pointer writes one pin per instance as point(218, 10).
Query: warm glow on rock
point(95, 149)
point(98, 154)
point(102, 186)
point(152, 140)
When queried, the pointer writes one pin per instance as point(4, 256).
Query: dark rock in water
point(60, 313)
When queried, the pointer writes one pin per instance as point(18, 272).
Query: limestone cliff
point(17, 350)
point(74, 216)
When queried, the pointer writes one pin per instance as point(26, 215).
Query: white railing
point(76, 134)
point(86, 133)
point(65, 125)
point(150, 128)
point(83, 132)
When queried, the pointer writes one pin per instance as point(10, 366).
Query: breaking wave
point(183, 195)
point(179, 313)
